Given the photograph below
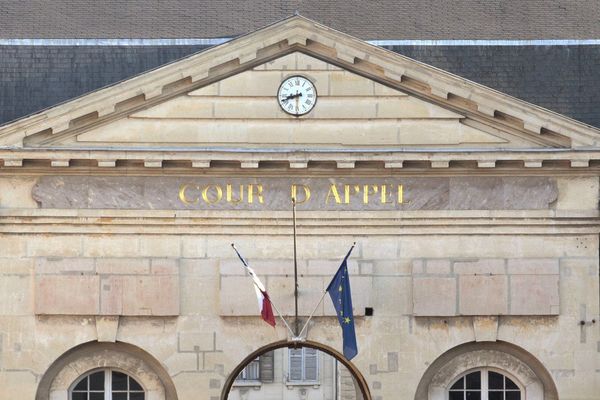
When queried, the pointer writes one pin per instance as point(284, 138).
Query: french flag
point(264, 302)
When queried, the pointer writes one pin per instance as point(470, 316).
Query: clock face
point(297, 95)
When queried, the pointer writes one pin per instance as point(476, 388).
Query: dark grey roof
point(564, 79)
point(36, 77)
point(382, 19)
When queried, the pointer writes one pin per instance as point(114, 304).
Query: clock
point(297, 95)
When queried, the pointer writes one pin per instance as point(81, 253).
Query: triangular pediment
point(243, 111)
point(368, 98)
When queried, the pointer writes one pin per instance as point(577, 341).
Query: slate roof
point(382, 19)
point(564, 79)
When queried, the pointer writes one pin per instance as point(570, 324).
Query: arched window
point(484, 384)
point(106, 384)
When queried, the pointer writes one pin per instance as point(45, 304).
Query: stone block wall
point(208, 334)
point(204, 320)
point(451, 287)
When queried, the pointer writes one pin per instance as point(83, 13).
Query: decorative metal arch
point(359, 378)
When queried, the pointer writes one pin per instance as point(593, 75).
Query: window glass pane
point(119, 381)
point(496, 380)
point(79, 396)
point(472, 395)
point(252, 371)
point(496, 395)
point(136, 396)
point(97, 381)
point(457, 395)
point(133, 385)
point(97, 396)
point(510, 384)
point(119, 396)
point(459, 384)
point(474, 380)
point(513, 395)
point(82, 385)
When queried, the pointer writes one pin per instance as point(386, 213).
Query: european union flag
point(339, 290)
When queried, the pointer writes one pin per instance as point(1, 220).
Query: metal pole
point(312, 314)
point(296, 322)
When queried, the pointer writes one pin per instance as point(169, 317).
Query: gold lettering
point(295, 193)
point(183, 197)
point(259, 190)
point(347, 194)
point(207, 199)
point(384, 197)
point(400, 194)
point(229, 194)
point(333, 192)
point(367, 191)
point(259, 195)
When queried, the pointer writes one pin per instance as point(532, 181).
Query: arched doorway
point(298, 351)
point(113, 360)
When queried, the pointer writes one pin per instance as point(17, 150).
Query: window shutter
point(266, 367)
point(295, 373)
point(310, 364)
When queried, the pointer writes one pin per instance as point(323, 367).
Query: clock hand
point(291, 96)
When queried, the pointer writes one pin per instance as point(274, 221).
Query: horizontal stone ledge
point(269, 230)
point(408, 217)
point(408, 166)
point(345, 159)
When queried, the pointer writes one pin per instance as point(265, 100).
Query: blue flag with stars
point(339, 290)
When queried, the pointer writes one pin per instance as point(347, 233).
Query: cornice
point(211, 160)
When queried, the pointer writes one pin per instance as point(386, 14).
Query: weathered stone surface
point(483, 295)
point(489, 286)
point(460, 193)
point(485, 328)
point(127, 288)
point(493, 266)
point(140, 295)
point(434, 296)
point(533, 266)
point(534, 295)
point(107, 327)
point(54, 294)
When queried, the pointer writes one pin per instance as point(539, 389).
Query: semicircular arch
point(86, 357)
point(503, 356)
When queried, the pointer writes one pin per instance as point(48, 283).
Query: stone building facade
point(475, 217)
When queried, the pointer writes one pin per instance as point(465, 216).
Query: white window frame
point(107, 381)
point(303, 380)
point(484, 381)
point(243, 376)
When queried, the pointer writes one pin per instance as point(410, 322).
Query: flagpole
point(295, 269)
point(270, 301)
point(312, 313)
point(320, 301)
point(281, 316)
